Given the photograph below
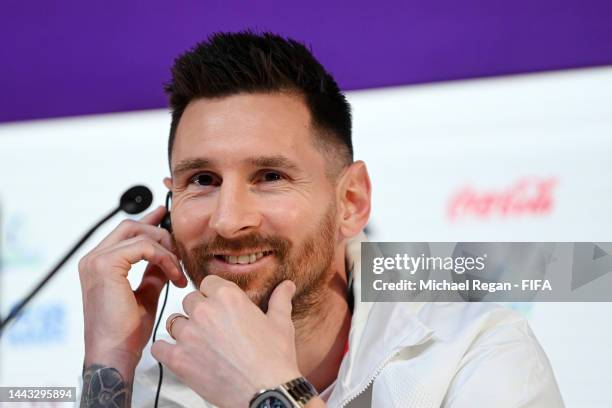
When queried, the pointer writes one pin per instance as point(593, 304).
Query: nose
point(235, 212)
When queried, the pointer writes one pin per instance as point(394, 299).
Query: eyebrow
point(191, 164)
point(275, 161)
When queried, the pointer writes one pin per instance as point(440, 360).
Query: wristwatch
point(293, 394)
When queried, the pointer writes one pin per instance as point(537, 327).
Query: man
point(268, 206)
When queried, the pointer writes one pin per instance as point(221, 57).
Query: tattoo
point(105, 387)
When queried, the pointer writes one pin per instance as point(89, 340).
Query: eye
point(271, 176)
point(204, 179)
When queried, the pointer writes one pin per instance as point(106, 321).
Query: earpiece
point(166, 223)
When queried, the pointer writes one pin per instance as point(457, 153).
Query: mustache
point(253, 243)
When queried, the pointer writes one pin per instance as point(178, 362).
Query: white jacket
point(420, 355)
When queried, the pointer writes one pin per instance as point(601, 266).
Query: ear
point(168, 183)
point(355, 191)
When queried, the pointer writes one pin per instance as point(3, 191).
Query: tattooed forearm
point(105, 387)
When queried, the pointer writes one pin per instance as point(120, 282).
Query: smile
point(242, 259)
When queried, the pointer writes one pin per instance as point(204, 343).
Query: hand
point(228, 349)
point(118, 320)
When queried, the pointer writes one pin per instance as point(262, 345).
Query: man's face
point(251, 199)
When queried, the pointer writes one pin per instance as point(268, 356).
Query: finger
point(146, 238)
point(212, 283)
point(141, 248)
point(150, 287)
point(191, 301)
point(175, 324)
point(279, 306)
point(155, 216)
point(130, 228)
point(161, 351)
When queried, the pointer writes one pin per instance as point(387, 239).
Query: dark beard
point(308, 266)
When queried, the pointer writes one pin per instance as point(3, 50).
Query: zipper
point(371, 380)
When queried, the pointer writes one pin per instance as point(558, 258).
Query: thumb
point(279, 306)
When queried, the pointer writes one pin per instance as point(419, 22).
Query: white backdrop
point(524, 158)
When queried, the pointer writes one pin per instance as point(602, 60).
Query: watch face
point(272, 402)
point(271, 399)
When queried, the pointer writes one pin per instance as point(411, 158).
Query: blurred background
point(478, 120)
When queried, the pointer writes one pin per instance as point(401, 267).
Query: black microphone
point(133, 201)
point(136, 200)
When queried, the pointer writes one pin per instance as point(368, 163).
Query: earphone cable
point(161, 369)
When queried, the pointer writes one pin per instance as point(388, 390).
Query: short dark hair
point(231, 63)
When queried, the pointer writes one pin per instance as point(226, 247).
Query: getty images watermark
point(486, 271)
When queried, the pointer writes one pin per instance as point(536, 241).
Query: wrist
point(124, 362)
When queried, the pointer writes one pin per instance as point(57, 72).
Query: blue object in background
point(39, 324)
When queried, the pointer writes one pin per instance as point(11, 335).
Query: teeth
point(243, 259)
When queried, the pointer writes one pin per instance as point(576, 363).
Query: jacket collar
point(379, 330)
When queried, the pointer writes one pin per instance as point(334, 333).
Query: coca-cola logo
point(528, 196)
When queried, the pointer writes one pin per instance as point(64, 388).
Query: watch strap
point(300, 390)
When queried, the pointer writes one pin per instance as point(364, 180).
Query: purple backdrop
point(62, 58)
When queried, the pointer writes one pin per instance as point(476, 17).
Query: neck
point(321, 337)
